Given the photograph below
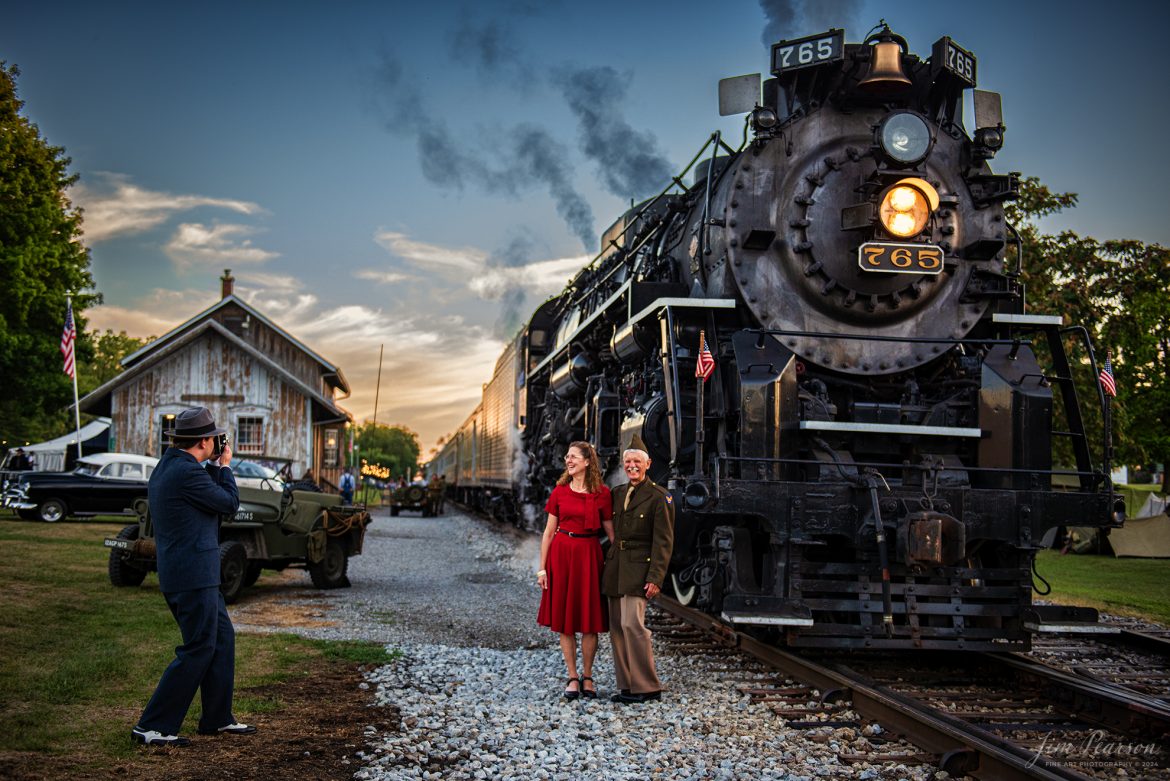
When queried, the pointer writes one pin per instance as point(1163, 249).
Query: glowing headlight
point(907, 206)
point(905, 138)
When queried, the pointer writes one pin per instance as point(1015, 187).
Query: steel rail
point(962, 748)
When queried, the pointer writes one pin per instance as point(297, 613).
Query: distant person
point(348, 484)
point(442, 493)
point(434, 495)
point(20, 462)
point(186, 500)
point(643, 519)
point(570, 564)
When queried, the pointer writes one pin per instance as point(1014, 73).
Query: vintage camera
point(221, 442)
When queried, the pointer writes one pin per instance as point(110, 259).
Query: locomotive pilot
point(635, 567)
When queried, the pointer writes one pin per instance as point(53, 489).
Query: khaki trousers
point(633, 659)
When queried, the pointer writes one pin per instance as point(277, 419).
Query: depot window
point(331, 447)
point(249, 436)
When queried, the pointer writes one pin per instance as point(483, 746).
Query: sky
point(419, 177)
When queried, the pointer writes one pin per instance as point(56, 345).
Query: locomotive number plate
point(808, 52)
point(892, 258)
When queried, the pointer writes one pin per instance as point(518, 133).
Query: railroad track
point(992, 716)
point(1137, 661)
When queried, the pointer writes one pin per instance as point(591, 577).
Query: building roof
point(231, 298)
point(98, 399)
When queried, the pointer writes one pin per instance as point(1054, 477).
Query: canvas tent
point(1147, 532)
point(58, 455)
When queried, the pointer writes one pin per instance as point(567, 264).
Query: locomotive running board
point(889, 428)
point(1051, 619)
point(734, 617)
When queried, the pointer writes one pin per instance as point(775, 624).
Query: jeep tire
point(233, 565)
point(330, 571)
point(122, 572)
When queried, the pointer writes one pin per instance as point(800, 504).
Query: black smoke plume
point(532, 155)
point(629, 161)
point(789, 19)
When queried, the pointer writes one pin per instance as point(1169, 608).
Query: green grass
point(79, 658)
point(1128, 587)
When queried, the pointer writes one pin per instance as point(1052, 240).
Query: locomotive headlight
point(906, 207)
point(904, 138)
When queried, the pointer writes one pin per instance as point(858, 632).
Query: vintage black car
point(101, 484)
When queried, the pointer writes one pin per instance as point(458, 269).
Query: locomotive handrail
point(676, 181)
point(903, 466)
point(876, 338)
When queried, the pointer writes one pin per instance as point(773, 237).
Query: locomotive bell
point(885, 76)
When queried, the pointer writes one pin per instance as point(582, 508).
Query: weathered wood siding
point(212, 373)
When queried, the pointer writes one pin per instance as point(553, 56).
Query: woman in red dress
point(571, 561)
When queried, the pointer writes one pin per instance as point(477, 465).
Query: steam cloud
point(796, 18)
point(519, 252)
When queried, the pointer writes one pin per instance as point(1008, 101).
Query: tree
point(1120, 291)
point(108, 351)
point(394, 447)
point(41, 259)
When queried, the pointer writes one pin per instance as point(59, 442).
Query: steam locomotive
point(869, 463)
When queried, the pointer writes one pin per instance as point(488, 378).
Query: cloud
point(195, 244)
point(381, 277)
point(430, 256)
point(117, 207)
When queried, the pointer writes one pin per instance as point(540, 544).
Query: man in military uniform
point(643, 520)
point(434, 496)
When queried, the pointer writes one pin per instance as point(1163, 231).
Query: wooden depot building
point(277, 397)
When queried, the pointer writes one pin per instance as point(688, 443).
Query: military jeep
point(270, 530)
point(411, 497)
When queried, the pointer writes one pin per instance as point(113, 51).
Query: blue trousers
point(205, 661)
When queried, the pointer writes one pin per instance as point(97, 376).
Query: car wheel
point(233, 562)
point(122, 572)
point(330, 571)
point(52, 510)
point(394, 512)
point(252, 573)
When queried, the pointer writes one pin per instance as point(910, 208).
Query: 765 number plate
point(894, 258)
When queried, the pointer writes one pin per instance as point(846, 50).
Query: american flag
point(1106, 377)
point(68, 336)
point(705, 364)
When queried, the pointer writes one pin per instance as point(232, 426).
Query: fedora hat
point(195, 423)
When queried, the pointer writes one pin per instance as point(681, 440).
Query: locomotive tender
point(870, 465)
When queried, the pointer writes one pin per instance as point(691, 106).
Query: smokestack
point(227, 282)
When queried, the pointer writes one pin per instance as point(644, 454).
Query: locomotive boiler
point(870, 462)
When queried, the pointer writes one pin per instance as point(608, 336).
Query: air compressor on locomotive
point(870, 465)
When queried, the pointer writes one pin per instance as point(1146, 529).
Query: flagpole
point(699, 382)
point(76, 406)
point(378, 387)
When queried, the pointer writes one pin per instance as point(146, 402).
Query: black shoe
point(572, 694)
point(149, 737)
point(231, 729)
point(632, 697)
point(589, 694)
point(618, 697)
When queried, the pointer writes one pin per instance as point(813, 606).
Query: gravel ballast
point(478, 683)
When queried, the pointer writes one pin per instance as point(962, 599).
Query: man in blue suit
point(186, 500)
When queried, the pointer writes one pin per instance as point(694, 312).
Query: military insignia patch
point(669, 499)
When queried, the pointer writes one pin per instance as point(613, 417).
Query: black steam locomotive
point(870, 463)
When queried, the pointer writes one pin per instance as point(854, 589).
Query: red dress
point(572, 602)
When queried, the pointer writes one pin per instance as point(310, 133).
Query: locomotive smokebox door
point(932, 538)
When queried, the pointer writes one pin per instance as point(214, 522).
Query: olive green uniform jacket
point(644, 540)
